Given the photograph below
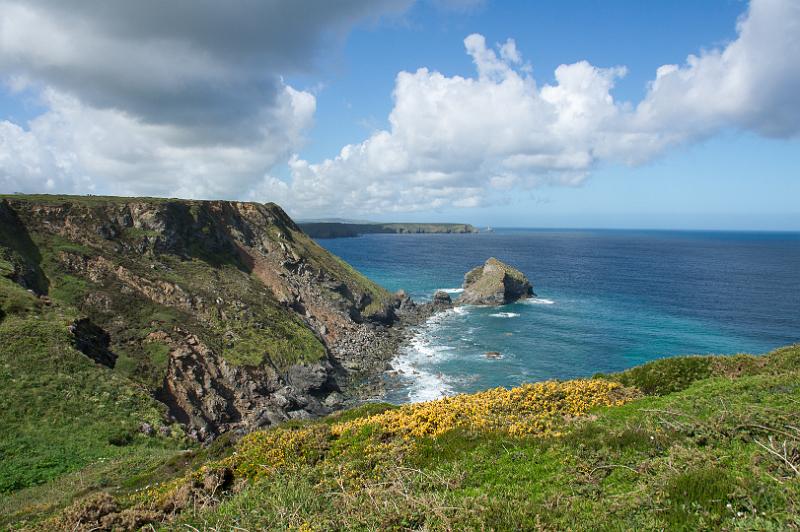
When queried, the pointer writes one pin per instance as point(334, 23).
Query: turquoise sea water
point(607, 300)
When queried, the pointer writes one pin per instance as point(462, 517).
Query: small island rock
point(441, 299)
point(495, 283)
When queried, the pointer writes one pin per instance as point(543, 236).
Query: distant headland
point(347, 229)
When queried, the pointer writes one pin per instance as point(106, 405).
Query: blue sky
point(220, 112)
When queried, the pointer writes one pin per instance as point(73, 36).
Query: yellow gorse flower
point(528, 409)
point(538, 409)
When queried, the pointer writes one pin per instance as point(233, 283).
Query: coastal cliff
point(225, 312)
point(685, 443)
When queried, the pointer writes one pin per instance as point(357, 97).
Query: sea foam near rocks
point(422, 351)
point(451, 290)
point(504, 315)
point(537, 301)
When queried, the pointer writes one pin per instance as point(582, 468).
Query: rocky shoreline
point(492, 283)
point(383, 344)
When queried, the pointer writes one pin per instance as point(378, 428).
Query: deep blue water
point(608, 300)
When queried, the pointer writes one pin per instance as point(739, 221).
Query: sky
point(662, 114)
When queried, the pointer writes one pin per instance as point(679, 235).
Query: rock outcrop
point(93, 342)
point(441, 300)
point(494, 283)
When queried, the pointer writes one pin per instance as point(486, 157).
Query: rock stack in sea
point(495, 283)
point(441, 300)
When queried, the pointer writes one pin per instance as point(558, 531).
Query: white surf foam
point(504, 315)
point(413, 363)
point(451, 290)
point(538, 301)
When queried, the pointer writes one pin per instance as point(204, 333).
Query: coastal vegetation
point(720, 450)
point(131, 323)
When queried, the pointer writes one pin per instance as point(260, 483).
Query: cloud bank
point(180, 98)
point(187, 100)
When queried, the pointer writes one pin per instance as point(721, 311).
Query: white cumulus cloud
point(454, 140)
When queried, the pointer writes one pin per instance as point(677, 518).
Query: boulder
point(494, 283)
point(403, 302)
point(441, 299)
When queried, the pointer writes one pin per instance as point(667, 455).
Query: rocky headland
point(226, 312)
point(342, 229)
point(142, 337)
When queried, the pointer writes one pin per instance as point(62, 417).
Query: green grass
point(262, 331)
point(667, 375)
point(16, 300)
point(60, 410)
point(57, 199)
point(134, 233)
point(122, 472)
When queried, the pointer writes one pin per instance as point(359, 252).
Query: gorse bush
point(530, 409)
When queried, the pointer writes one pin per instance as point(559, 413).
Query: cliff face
point(226, 311)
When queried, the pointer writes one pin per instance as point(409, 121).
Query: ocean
point(607, 300)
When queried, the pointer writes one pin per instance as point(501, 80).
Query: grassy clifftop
point(687, 443)
point(61, 411)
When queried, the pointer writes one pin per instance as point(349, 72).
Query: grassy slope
point(715, 447)
point(72, 425)
point(697, 455)
point(61, 412)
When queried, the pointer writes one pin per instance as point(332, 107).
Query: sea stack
point(495, 283)
point(441, 300)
